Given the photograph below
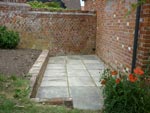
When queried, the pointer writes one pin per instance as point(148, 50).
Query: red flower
point(118, 81)
point(103, 82)
point(138, 71)
point(132, 78)
point(114, 73)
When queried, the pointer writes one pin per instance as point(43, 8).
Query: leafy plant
point(47, 5)
point(8, 39)
point(21, 93)
point(135, 5)
point(147, 70)
point(53, 4)
point(126, 94)
point(36, 4)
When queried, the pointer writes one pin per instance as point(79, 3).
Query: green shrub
point(36, 4)
point(8, 39)
point(47, 5)
point(53, 4)
point(126, 93)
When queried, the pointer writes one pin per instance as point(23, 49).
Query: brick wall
point(144, 36)
point(62, 32)
point(18, 1)
point(115, 32)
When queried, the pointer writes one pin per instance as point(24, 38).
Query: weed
point(14, 98)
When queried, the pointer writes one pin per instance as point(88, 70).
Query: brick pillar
point(144, 36)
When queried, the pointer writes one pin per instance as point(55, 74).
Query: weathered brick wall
point(115, 31)
point(61, 32)
point(18, 1)
point(144, 36)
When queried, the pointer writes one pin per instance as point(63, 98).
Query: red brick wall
point(18, 1)
point(61, 32)
point(144, 36)
point(115, 31)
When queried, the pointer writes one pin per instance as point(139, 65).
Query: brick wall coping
point(61, 13)
point(14, 4)
point(61, 10)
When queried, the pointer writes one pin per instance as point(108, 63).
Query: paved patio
point(76, 77)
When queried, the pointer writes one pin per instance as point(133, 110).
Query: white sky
point(82, 3)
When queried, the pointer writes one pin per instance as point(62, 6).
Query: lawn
point(14, 92)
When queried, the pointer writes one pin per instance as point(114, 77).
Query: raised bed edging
point(37, 72)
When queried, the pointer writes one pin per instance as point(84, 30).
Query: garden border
point(37, 72)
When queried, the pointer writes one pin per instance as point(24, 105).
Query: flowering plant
point(126, 93)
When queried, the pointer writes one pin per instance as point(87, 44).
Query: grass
point(14, 98)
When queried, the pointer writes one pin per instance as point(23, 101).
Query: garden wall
point(18, 1)
point(115, 32)
point(64, 32)
point(144, 36)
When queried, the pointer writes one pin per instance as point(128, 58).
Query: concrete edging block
point(37, 72)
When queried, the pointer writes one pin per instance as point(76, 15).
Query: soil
point(18, 61)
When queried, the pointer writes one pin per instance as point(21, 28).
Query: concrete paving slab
point(80, 81)
point(78, 72)
point(55, 72)
point(57, 61)
point(89, 57)
point(86, 98)
point(74, 62)
point(54, 81)
point(58, 57)
point(56, 66)
point(95, 72)
point(74, 57)
point(77, 66)
point(92, 62)
point(53, 92)
point(97, 80)
point(88, 103)
point(94, 66)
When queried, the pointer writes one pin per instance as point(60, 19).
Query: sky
point(82, 3)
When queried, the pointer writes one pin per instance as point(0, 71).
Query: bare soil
point(18, 61)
